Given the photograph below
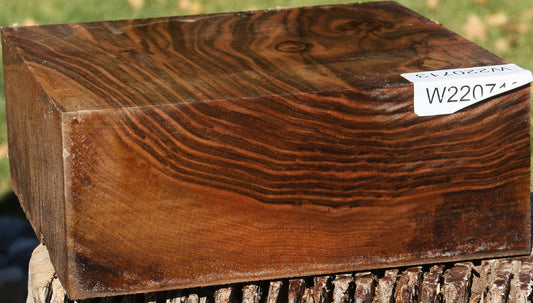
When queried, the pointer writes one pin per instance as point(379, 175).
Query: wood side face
point(232, 191)
point(189, 151)
point(35, 153)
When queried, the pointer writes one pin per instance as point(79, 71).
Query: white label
point(449, 90)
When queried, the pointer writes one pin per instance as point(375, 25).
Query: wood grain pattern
point(191, 151)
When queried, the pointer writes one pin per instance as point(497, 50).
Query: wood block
point(189, 151)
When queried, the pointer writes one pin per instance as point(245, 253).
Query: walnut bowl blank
point(191, 151)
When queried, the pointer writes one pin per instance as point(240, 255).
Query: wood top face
point(134, 63)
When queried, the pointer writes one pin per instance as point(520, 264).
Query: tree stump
point(495, 280)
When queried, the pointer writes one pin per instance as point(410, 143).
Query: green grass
point(511, 40)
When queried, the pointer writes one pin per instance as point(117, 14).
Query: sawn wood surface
point(198, 150)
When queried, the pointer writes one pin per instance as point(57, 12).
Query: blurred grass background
point(504, 27)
